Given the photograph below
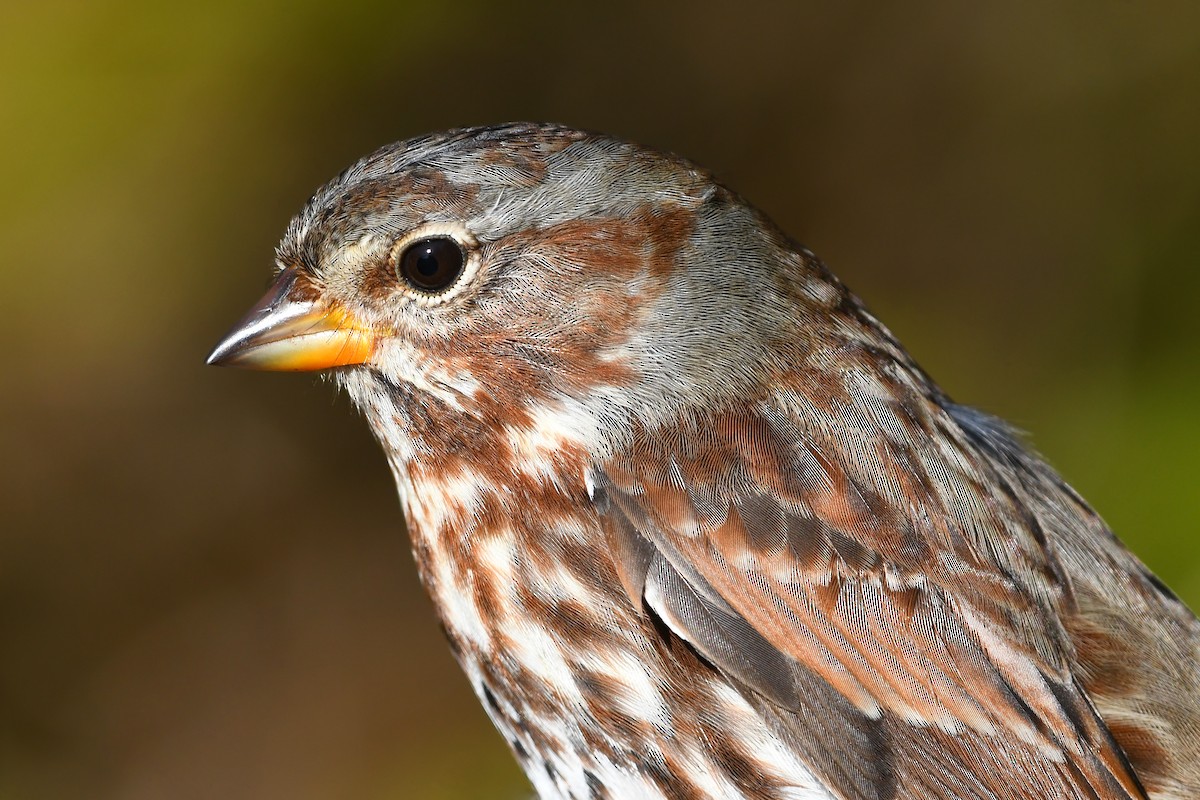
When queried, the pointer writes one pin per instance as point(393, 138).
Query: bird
point(695, 524)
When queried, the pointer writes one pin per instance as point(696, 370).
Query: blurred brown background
point(205, 588)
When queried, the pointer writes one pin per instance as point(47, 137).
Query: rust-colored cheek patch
point(645, 243)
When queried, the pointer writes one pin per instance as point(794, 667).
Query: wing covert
point(813, 585)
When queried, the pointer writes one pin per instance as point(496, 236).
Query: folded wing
point(909, 612)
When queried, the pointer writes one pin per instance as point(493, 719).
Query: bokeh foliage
point(204, 584)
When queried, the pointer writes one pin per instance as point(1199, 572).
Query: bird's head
point(495, 275)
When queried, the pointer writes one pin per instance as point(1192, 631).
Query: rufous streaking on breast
point(696, 525)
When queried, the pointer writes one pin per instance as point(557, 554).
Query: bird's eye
point(431, 265)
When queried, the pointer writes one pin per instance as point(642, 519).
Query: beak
point(284, 332)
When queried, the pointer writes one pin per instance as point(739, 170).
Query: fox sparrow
point(696, 525)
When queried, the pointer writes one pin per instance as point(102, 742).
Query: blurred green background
point(205, 588)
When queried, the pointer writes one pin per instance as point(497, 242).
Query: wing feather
point(931, 629)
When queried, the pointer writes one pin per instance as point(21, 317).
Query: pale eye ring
point(435, 262)
point(431, 265)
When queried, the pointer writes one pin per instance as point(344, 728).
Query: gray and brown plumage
point(695, 523)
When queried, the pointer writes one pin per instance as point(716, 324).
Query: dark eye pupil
point(427, 264)
point(431, 265)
